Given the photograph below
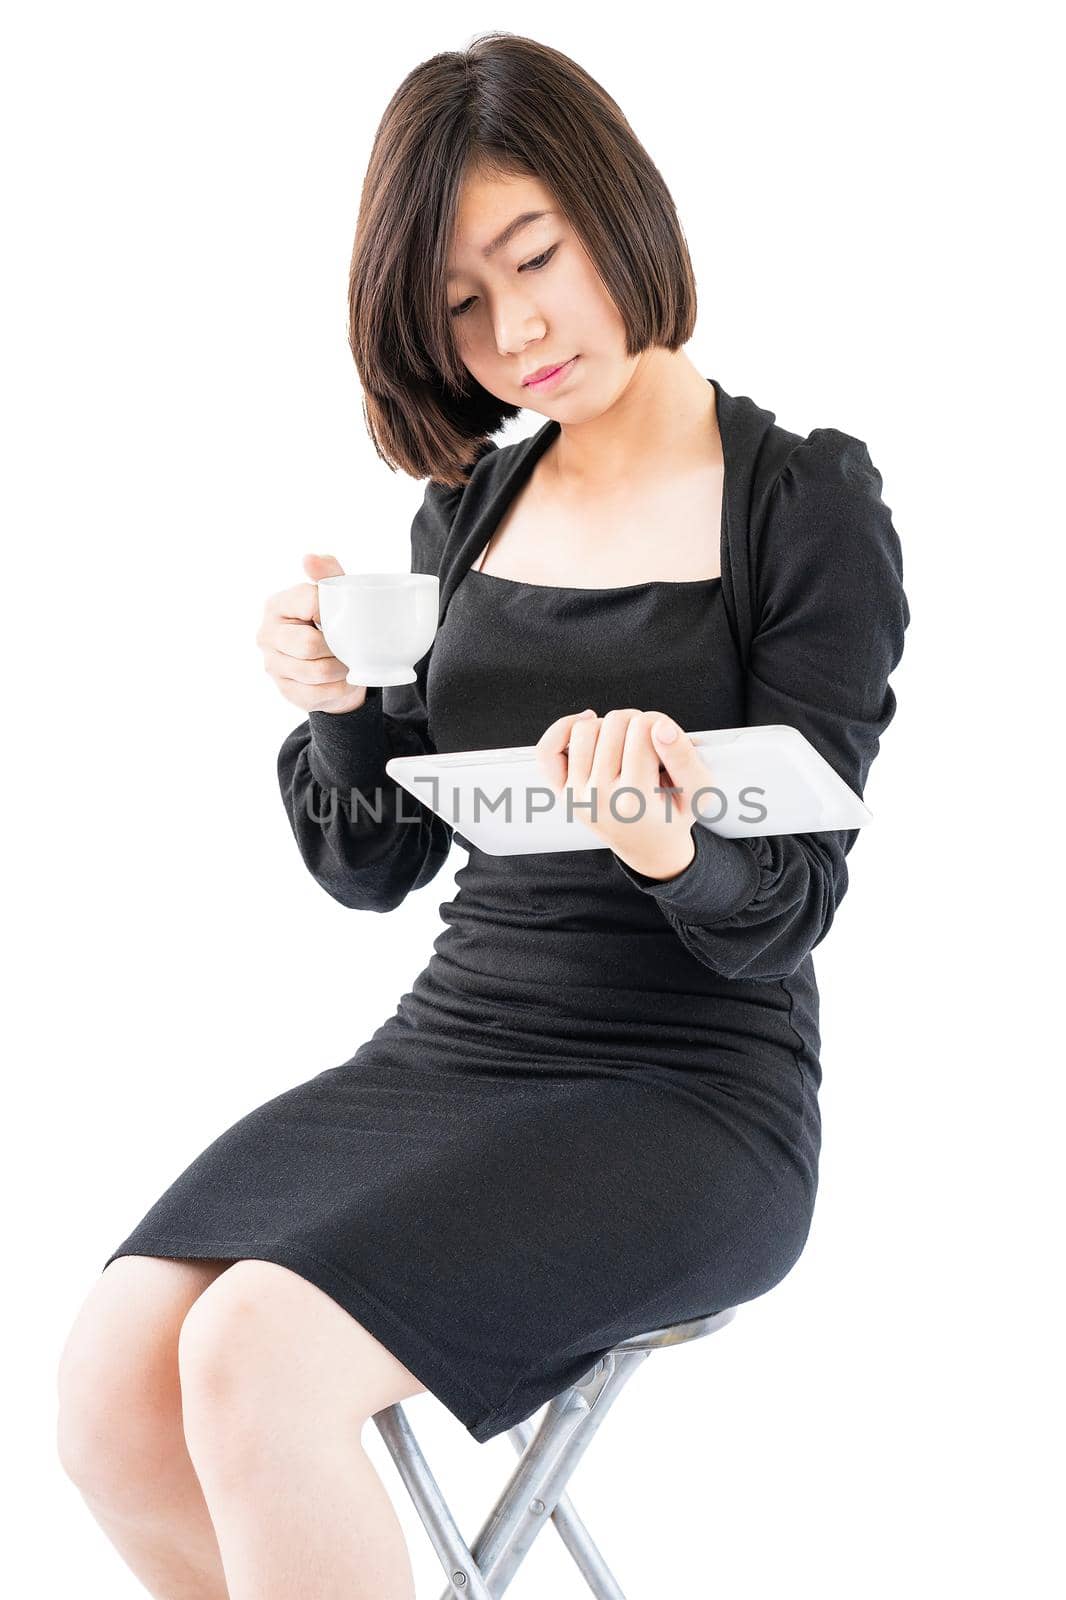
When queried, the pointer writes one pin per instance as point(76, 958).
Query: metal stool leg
point(464, 1579)
point(532, 1495)
point(568, 1428)
point(536, 1490)
point(573, 1533)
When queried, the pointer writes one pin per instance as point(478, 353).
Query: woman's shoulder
point(436, 517)
point(825, 500)
point(766, 456)
point(830, 462)
point(826, 553)
point(448, 512)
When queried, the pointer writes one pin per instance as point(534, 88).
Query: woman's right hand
point(295, 652)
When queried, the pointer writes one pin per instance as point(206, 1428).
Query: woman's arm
point(366, 864)
point(831, 614)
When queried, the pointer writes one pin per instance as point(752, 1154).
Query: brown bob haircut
point(506, 106)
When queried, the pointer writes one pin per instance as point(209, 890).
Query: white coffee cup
point(379, 623)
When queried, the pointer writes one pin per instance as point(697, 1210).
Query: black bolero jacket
point(812, 580)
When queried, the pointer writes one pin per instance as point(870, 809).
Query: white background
point(868, 193)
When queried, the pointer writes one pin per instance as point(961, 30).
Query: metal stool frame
point(536, 1490)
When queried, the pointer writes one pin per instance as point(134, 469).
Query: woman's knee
point(267, 1349)
point(119, 1427)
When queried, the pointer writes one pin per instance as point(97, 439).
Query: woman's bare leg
point(278, 1383)
point(120, 1433)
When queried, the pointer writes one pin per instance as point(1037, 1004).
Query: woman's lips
point(549, 382)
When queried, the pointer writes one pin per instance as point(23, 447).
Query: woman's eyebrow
point(515, 225)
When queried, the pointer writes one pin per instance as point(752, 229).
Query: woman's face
point(536, 301)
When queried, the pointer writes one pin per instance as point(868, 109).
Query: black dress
point(595, 1111)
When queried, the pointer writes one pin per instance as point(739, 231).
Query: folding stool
point(536, 1490)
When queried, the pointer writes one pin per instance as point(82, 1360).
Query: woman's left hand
point(649, 824)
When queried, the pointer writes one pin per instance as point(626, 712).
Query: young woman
point(595, 1112)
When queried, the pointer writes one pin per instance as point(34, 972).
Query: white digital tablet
point(761, 780)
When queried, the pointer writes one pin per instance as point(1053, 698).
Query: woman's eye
point(539, 261)
point(534, 265)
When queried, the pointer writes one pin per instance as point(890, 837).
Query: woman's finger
point(581, 750)
point(640, 764)
point(607, 761)
point(294, 639)
point(304, 669)
point(552, 747)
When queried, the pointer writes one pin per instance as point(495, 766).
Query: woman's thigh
point(266, 1332)
point(118, 1379)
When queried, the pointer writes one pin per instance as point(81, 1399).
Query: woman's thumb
point(322, 567)
point(686, 767)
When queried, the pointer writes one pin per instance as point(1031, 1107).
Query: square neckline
point(581, 588)
point(538, 445)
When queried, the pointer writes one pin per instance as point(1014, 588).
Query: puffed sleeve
point(830, 614)
point(367, 863)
